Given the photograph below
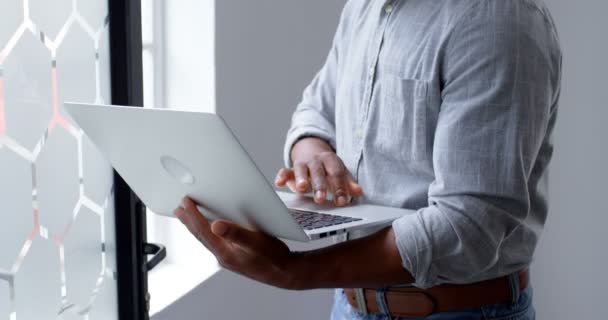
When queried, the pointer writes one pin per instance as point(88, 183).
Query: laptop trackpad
point(294, 201)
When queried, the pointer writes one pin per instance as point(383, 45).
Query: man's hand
point(372, 262)
point(317, 168)
point(253, 254)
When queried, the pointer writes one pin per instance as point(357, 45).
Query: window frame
point(127, 89)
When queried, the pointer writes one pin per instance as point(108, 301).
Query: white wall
point(570, 275)
point(189, 42)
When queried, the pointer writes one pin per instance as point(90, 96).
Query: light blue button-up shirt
point(447, 107)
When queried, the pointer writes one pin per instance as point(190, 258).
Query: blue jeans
point(520, 308)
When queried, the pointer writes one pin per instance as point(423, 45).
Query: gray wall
point(268, 50)
point(570, 274)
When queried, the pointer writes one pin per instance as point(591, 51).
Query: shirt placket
point(385, 13)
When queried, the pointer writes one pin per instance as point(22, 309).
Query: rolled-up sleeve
point(315, 114)
point(500, 81)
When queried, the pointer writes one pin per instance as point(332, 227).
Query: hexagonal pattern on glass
point(72, 315)
point(106, 302)
point(57, 180)
point(104, 66)
point(12, 16)
point(110, 237)
point(39, 279)
point(16, 192)
point(83, 257)
point(93, 12)
point(76, 67)
point(50, 16)
point(28, 90)
point(97, 172)
point(5, 307)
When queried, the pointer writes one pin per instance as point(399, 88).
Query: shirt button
point(359, 134)
point(372, 72)
point(388, 8)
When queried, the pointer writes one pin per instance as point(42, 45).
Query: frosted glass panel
point(16, 191)
point(57, 181)
point(39, 280)
point(4, 299)
point(76, 66)
point(51, 16)
point(12, 15)
point(28, 89)
point(105, 307)
point(83, 263)
point(97, 179)
point(57, 239)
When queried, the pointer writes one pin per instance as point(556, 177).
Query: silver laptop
point(165, 155)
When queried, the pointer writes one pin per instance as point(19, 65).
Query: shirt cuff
point(299, 132)
point(414, 244)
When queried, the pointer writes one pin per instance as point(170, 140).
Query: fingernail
point(341, 200)
point(319, 195)
point(301, 185)
point(219, 229)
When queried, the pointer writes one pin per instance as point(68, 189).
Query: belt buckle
point(361, 303)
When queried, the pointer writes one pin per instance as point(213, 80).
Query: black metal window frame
point(127, 89)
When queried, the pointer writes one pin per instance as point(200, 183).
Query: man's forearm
point(372, 261)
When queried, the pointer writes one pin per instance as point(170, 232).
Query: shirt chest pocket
point(404, 111)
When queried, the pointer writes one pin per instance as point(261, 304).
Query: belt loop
point(361, 304)
point(381, 301)
point(514, 287)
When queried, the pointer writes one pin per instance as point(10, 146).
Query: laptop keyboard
point(314, 220)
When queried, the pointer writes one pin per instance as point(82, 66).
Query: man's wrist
point(301, 273)
point(310, 270)
point(295, 272)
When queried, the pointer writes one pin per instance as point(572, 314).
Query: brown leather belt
point(415, 302)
